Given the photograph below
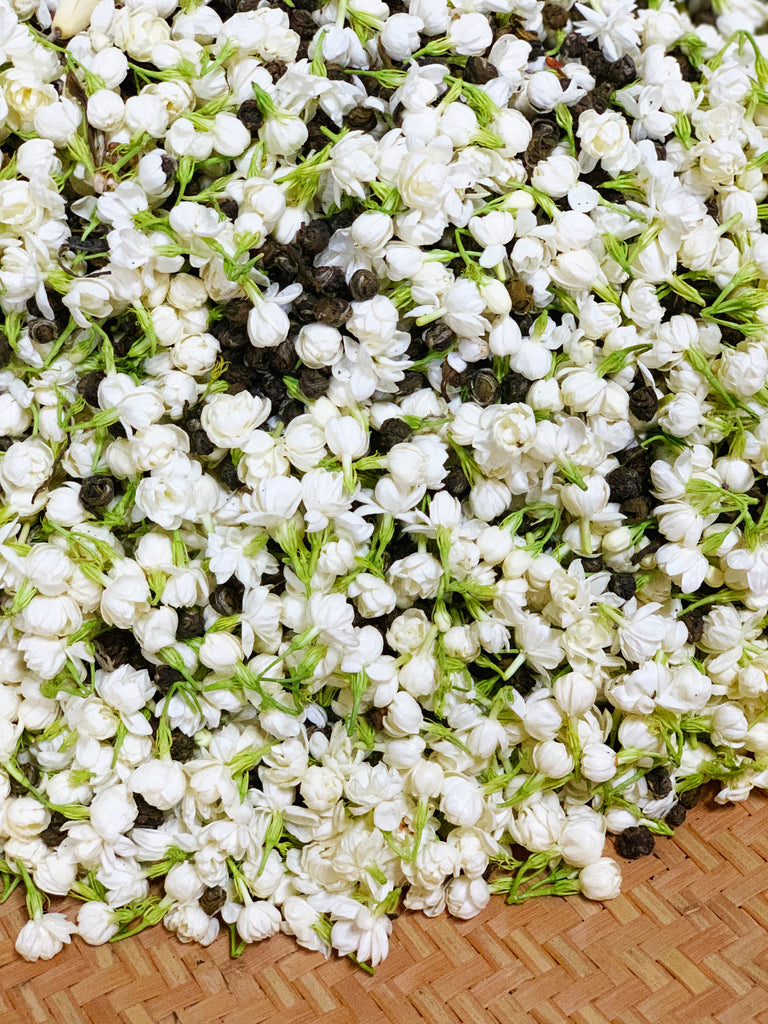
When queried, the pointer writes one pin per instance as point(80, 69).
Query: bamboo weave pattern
point(687, 940)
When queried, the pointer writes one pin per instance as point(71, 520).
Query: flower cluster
point(383, 453)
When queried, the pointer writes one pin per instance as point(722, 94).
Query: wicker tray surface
point(687, 940)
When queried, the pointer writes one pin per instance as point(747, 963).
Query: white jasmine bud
point(258, 921)
point(466, 897)
point(183, 883)
point(321, 788)
point(582, 838)
point(318, 345)
point(161, 783)
point(72, 16)
point(598, 762)
point(112, 812)
point(575, 693)
point(552, 759)
point(461, 802)
point(600, 880)
point(729, 725)
point(96, 923)
point(470, 34)
point(105, 110)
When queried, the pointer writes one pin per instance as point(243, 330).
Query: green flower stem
point(34, 897)
point(173, 855)
point(358, 684)
point(137, 917)
point(240, 881)
point(420, 819)
point(271, 839)
point(537, 783)
point(58, 345)
point(74, 812)
point(564, 118)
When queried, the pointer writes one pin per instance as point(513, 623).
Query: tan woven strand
point(687, 941)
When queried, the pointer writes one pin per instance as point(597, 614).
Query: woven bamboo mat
point(686, 941)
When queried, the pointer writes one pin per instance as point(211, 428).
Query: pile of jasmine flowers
point(384, 453)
